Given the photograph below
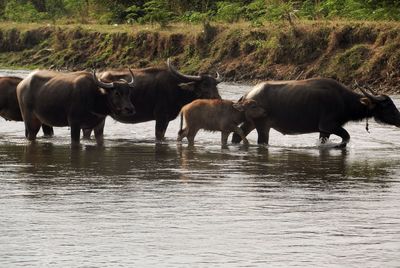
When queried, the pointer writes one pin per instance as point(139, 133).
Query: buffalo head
point(204, 85)
point(118, 95)
point(250, 108)
point(382, 107)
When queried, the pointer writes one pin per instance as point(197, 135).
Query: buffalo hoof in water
point(236, 138)
point(47, 135)
point(341, 145)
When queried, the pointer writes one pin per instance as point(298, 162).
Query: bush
point(133, 13)
point(359, 10)
point(229, 12)
point(78, 10)
point(309, 10)
point(196, 11)
point(352, 9)
point(195, 17)
point(277, 10)
point(156, 11)
point(15, 11)
point(255, 11)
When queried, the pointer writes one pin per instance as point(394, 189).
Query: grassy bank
point(346, 51)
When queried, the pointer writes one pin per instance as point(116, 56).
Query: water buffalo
point(315, 105)
point(160, 93)
point(9, 107)
point(78, 100)
point(217, 115)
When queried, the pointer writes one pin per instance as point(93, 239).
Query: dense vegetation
point(368, 52)
point(166, 11)
point(243, 39)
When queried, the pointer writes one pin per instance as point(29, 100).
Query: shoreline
point(367, 52)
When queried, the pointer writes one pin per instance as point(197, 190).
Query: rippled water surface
point(137, 203)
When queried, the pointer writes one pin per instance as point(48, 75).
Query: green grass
point(345, 50)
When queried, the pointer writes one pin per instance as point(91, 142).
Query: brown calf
point(217, 115)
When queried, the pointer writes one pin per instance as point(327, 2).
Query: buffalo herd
point(82, 100)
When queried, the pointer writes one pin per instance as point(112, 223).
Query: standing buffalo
point(78, 100)
point(160, 93)
point(9, 108)
point(315, 105)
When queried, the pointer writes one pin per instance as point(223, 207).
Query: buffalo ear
point(187, 86)
point(238, 106)
point(367, 102)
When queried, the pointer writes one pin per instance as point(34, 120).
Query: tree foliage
point(165, 11)
point(156, 11)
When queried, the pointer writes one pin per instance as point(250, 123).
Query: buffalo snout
point(251, 108)
point(130, 110)
point(386, 112)
point(122, 108)
point(126, 110)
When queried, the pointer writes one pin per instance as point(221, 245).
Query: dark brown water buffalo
point(160, 93)
point(315, 105)
point(9, 107)
point(217, 115)
point(78, 100)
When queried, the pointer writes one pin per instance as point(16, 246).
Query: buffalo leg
point(32, 126)
point(99, 133)
point(240, 132)
point(224, 138)
point(262, 131)
point(263, 135)
point(47, 131)
point(161, 127)
point(341, 132)
point(324, 137)
point(246, 127)
point(182, 134)
point(335, 130)
point(75, 134)
point(190, 136)
point(86, 133)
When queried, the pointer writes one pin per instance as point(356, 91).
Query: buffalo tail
point(181, 125)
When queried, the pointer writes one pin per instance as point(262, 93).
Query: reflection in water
point(54, 163)
point(315, 167)
point(139, 203)
point(45, 165)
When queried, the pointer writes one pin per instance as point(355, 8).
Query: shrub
point(255, 11)
point(229, 12)
point(133, 13)
point(78, 9)
point(195, 17)
point(15, 11)
point(277, 10)
point(309, 10)
point(156, 11)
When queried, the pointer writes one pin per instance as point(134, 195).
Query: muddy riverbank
point(347, 51)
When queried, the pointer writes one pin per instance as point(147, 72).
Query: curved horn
point(173, 70)
point(365, 93)
point(377, 98)
point(374, 95)
point(100, 83)
point(132, 82)
point(371, 90)
point(218, 78)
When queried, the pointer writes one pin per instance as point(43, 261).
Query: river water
point(137, 203)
